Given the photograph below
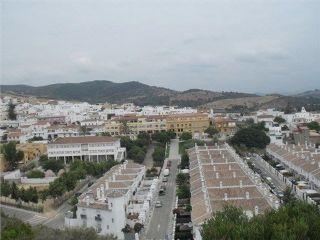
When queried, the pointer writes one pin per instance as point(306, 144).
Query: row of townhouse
point(218, 177)
point(121, 197)
point(303, 159)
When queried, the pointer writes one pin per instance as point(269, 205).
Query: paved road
point(259, 163)
point(161, 221)
point(27, 216)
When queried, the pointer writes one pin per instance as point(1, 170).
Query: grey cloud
point(241, 45)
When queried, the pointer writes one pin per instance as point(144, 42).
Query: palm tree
point(124, 128)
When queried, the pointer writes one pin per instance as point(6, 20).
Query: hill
point(106, 91)
point(100, 91)
point(310, 94)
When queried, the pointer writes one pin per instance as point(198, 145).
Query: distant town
point(152, 172)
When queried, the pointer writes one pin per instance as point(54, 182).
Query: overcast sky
point(243, 45)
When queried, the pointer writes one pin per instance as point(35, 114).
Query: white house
point(89, 148)
point(112, 202)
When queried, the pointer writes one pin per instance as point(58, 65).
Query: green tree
point(225, 224)
point(35, 174)
point(137, 154)
point(314, 126)
point(11, 111)
point(163, 137)
point(297, 220)
point(181, 178)
point(137, 227)
point(35, 138)
point(5, 189)
point(11, 155)
point(52, 164)
point(186, 136)
point(158, 155)
point(16, 229)
point(57, 188)
point(126, 142)
point(184, 161)
point(124, 128)
point(251, 138)
point(183, 191)
point(84, 130)
point(211, 131)
point(288, 196)
point(279, 120)
point(14, 191)
point(43, 194)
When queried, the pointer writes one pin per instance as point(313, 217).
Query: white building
point(118, 198)
point(90, 148)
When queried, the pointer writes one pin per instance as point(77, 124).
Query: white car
point(158, 204)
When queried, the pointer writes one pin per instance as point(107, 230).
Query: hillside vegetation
point(100, 91)
point(107, 91)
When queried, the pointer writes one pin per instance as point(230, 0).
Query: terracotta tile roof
point(84, 139)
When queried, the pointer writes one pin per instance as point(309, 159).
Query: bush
point(182, 178)
point(35, 174)
point(184, 161)
point(52, 164)
point(183, 191)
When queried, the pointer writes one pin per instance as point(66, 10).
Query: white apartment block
point(120, 197)
point(87, 148)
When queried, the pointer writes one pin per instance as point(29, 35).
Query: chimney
point(229, 167)
point(240, 182)
point(226, 160)
point(220, 184)
point(217, 175)
point(107, 184)
point(234, 174)
point(247, 195)
point(87, 200)
point(225, 196)
point(214, 168)
point(98, 193)
point(114, 177)
point(256, 210)
point(102, 190)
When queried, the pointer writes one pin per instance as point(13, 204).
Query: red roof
point(84, 139)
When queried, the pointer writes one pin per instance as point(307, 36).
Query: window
point(112, 220)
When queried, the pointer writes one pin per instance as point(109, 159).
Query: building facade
point(87, 148)
point(195, 123)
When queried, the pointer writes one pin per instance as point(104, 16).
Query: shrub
point(35, 174)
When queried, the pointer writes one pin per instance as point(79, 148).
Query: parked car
point(158, 204)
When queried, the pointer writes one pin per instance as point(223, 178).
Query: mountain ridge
point(99, 91)
point(133, 91)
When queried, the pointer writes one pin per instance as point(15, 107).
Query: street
point(259, 163)
point(30, 217)
point(161, 221)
